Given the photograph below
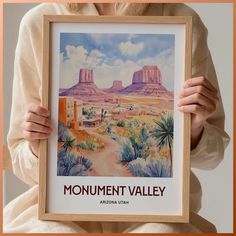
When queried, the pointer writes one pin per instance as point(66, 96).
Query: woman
point(30, 122)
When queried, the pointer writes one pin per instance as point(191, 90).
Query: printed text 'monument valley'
point(109, 190)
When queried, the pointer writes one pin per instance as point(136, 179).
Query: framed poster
point(120, 148)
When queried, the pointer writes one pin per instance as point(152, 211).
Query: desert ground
point(130, 121)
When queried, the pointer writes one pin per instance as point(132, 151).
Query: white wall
point(217, 184)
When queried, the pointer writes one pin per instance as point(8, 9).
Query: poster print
point(116, 105)
point(120, 148)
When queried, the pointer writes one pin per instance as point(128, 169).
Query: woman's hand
point(36, 126)
point(198, 97)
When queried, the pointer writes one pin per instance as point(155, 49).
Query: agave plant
point(164, 134)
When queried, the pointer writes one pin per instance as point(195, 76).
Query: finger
point(197, 98)
point(198, 89)
point(32, 136)
point(42, 111)
point(195, 109)
point(33, 127)
point(32, 117)
point(200, 81)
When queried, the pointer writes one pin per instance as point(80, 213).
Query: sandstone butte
point(147, 81)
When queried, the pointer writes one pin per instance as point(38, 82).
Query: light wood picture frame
point(69, 42)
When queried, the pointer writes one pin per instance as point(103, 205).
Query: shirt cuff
point(33, 159)
point(194, 152)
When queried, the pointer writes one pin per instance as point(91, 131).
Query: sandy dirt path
point(106, 161)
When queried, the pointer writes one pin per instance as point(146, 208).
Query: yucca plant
point(69, 143)
point(103, 114)
point(164, 134)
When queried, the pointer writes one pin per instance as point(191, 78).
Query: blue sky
point(116, 55)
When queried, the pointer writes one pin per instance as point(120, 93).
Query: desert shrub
point(158, 167)
point(100, 145)
point(109, 128)
point(151, 167)
point(90, 145)
point(88, 112)
point(134, 146)
point(78, 170)
point(84, 162)
point(68, 164)
point(66, 160)
point(117, 137)
point(127, 153)
point(63, 132)
point(144, 134)
point(120, 123)
point(137, 145)
point(87, 145)
point(137, 169)
point(84, 111)
point(134, 123)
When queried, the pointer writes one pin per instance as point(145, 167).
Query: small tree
point(120, 123)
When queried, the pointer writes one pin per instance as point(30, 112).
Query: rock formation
point(85, 86)
point(86, 76)
point(147, 81)
point(148, 75)
point(116, 86)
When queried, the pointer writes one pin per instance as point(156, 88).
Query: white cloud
point(118, 62)
point(76, 54)
point(129, 48)
point(123, 70)
point(165, 62)
point(96, 53)
point(77, 58)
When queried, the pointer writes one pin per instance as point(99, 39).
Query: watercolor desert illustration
point(116, 105)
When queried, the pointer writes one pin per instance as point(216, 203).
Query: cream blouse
point(27, 88)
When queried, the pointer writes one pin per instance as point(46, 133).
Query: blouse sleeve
point(210, 149)
point(26, 90)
